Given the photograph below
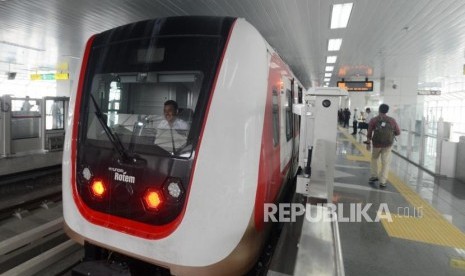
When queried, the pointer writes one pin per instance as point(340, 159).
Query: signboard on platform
point(428, 92)
point(57, 76)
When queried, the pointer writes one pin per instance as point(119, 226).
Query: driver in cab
point(172, 131)
point(171, 121)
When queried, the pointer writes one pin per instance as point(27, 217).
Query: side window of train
point(300, 94)
point(289, 124)
point(275, 118)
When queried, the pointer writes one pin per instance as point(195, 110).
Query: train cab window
point(288, 110)
point(128, 83)
point(275, 118)
point(150, 108)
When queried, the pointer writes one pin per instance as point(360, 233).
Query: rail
point(27, 175)
point(25, 238)
point(42, 250)
point(48, 258)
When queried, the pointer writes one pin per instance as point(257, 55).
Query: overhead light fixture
point(329, 68)
point(334, 44)
point(326, 79)
point(331, 59)
point(328, 75)
point(21, 46)
point(340, 15)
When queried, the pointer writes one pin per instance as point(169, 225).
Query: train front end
point(131, 185)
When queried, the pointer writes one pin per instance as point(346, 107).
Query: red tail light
point(152, 199)
point(98, 188)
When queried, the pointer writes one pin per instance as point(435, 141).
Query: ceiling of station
point(384, 38)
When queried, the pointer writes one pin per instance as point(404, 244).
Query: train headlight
point(153, 199)
point(173, 188)
point(86, 173)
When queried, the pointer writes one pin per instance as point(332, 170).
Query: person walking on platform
point(340, 116)
point(368, 117)
point(355, 122)
point(382, 130)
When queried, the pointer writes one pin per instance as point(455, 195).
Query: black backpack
point(384, 132)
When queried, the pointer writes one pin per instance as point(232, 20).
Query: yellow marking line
point(428, 227)
point(457, 263)
point(357, 158)
point(362, 148)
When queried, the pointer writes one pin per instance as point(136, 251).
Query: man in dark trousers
point(346, 117)
point(355, 122)
point(382, 130)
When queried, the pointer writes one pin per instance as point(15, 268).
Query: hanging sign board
point(57, 76)
point(429, 92)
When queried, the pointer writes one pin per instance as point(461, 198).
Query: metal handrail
point(338, 259)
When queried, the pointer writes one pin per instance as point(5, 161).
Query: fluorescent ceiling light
point(21, 46)
point(331, 59)
point(329, 68)
point(328, 75)
point(326, 79)
point(334, 44)
point(340, 15)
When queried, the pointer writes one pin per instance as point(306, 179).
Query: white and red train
point(191, 200)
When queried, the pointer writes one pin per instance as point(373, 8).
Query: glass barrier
point(419, 141)
point(25, 119)
point(54, 118)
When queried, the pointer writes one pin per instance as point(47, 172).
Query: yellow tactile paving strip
point(358, 158)
point(430, 227)
point(457, 263)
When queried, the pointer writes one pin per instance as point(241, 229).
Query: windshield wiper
point(114, 139)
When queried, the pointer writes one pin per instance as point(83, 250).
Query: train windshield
point(149, 96)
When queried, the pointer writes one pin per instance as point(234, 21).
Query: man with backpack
point(382, 130)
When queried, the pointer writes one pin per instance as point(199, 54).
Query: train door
point(296, 98)
point(287, 131)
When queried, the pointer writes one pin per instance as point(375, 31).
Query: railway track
point(29, 175)
point(44, 250)
point(26, 191)
point(32, 240)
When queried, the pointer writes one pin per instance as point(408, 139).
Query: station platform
point(426, 235)
point(27, 161)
